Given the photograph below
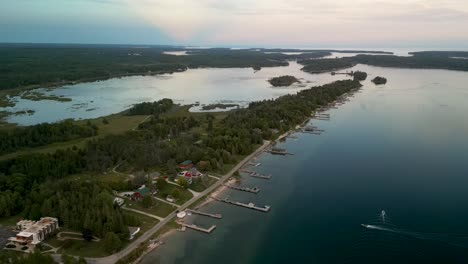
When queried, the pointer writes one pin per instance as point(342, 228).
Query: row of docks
point(252, 206)
point(244, 189)
point(254, 190)
point(256, 174)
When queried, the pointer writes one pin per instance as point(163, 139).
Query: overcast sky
point(287, 23)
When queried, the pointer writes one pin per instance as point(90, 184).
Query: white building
point(32, 233)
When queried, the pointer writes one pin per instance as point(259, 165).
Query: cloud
point(295, 21)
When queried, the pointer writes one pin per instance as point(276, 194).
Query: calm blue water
point(399, 148)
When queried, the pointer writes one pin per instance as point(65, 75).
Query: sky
point(268, 23)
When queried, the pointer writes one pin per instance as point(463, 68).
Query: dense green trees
point(43, 134)
point(379, 80)
point(285, 80)
point(359, 76)
point(325, 65)
point(8, 257)
point(147, 201)
point(112, 242)
point(151, 108)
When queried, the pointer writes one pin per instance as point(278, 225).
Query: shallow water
point(206, 86)
point(400, 147)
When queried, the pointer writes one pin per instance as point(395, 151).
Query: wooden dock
point(254, 164)
point(311, 132)
point(244, 189)
point(256, 174)
point(252, 206)
point(217, 216)
point(198, 228)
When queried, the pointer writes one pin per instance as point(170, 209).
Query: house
point(186, 165)
point(191, 174)
point(32, 232)
point(154, 175)
point(138, 194)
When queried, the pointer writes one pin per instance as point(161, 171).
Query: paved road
point(115, 257)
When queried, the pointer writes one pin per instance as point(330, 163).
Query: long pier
point(217, 216)
point(264, 209)
point(257, 175)
point(199, 228)
point(245, 189)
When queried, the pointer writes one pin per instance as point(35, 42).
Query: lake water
point(206, 86)
point(399, 148)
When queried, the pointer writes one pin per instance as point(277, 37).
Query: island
point(220, 106)
point(359, 76)
point(379, 80)
point(285, 80)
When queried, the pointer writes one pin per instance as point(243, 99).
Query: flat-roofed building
point(32, 232)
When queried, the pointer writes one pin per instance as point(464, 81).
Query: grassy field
point(146, 222)
point(83, 248)
point(158, 208)
point(202, 184)
point(184, 194)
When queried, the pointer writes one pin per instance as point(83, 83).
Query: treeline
point(285, 112)
point(43, 134)
point(44, 65)
point(151, 108)
point(325, 65)
point(422, 61)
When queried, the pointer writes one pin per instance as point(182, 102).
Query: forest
point(32, 65)
point(421, 61)
point(43, 134)
point(325, 65)
point(151, 108)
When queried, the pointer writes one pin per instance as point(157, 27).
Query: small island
point(359, 76)
point(220, 106)
point(379, 80)
point(285, 80)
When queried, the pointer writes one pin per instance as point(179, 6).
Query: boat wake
point(449, 239)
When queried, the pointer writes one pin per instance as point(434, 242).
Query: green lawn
point(83, 248)
point(202, 184)
point(184, 194)
point(146, 222)
point(159, 208)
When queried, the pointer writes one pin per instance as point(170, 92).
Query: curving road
point(115, 257)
